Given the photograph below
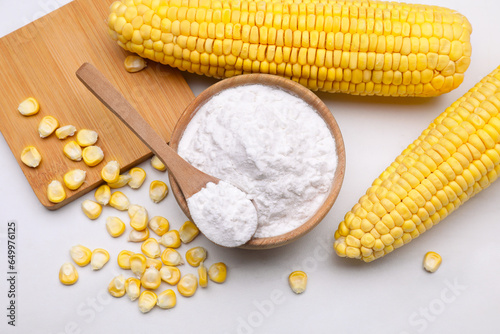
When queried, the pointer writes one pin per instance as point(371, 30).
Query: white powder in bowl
point(271, 145)
point(224, 214)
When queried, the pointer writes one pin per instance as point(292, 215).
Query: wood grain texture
point(41, 59)
point(299, 91)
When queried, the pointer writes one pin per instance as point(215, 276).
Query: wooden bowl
point(297, 90)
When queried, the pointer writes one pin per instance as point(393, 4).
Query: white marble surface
point(391, 295)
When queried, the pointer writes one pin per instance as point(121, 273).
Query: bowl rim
point(297, 90)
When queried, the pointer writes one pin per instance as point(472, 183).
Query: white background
point(391, 295)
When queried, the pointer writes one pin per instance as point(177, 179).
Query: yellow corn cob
point(457, 156)
point(357, 47)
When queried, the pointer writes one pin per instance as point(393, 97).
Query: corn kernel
point(298, 281)
point(432, 261)
point(151, 248)
point(171, 239)
point(47, 126)
point(31, 157)
point(123, 259)
point(138, 236)
point(73, 151)
point(111, 172)
point(99, 258)
point(157, 164)
point(167, 299)
point(29, 107)
point(203, 275)
point(138, 264)
point(171, 257)
point(91, 209)
point(170, 274)
point(116, 287)
point(135, 64)
point(65, 131)
point(74, 178)
point(139, 219)
point(92, 155)
point(103, 194)
point(119, 201)
point(68, 274)
point(217, 272)
point(55, 192)
point(115, 226)
point(147, 300)
point(151, 278)
point(159, 225)
point(132, 288)
point(187, 285)
point(138, 175)
point(157, 191)
point(196, 255)
point(86, 137)
point(123, 180)
point(81, 255)
point(188, 232)
point(153, 263)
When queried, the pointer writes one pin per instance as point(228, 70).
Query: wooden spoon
point(190, 179)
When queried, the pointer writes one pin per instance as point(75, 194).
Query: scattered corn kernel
point(29, 107)
point(31, 157)
point(171, 257)
point(74, 178)
point(119, 201)
point(157, 191)
point(171, 239)
point(111, 172)
point(115, 226)
point(138, 175)
point(73, 151)
point(135, 64)
point(138, 236)
point(196, 255)
point(116, 287)
point(153, 263)
point(103, 194)
point(81, 255)
point(157, 164)
point(65, 131)
point(170, 274)
point(91, 209)
point(203, 275)
point(132, 288)
point(187, 285)
point(123, 259)
point(167, 299)
point(151, 278)
point(55, 192)
point(47, 126)
point(151, 248)
point(99, 258)
point(133, 209)
point(138, 264)
point(139, 220)
point(123, 180)
point(68, 274)
point(217, 272)
point(188, 232)
point(159, 225)
point(298, 281)
point(432, 261)
point(92, 155)
point(147, 300)
point(86, 137)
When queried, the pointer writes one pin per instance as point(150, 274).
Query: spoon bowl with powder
point(222, 212)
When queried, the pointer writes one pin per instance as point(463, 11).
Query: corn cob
point(457, 156)
point(357, 47)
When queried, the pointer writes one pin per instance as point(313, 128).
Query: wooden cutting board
point(40, 60)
